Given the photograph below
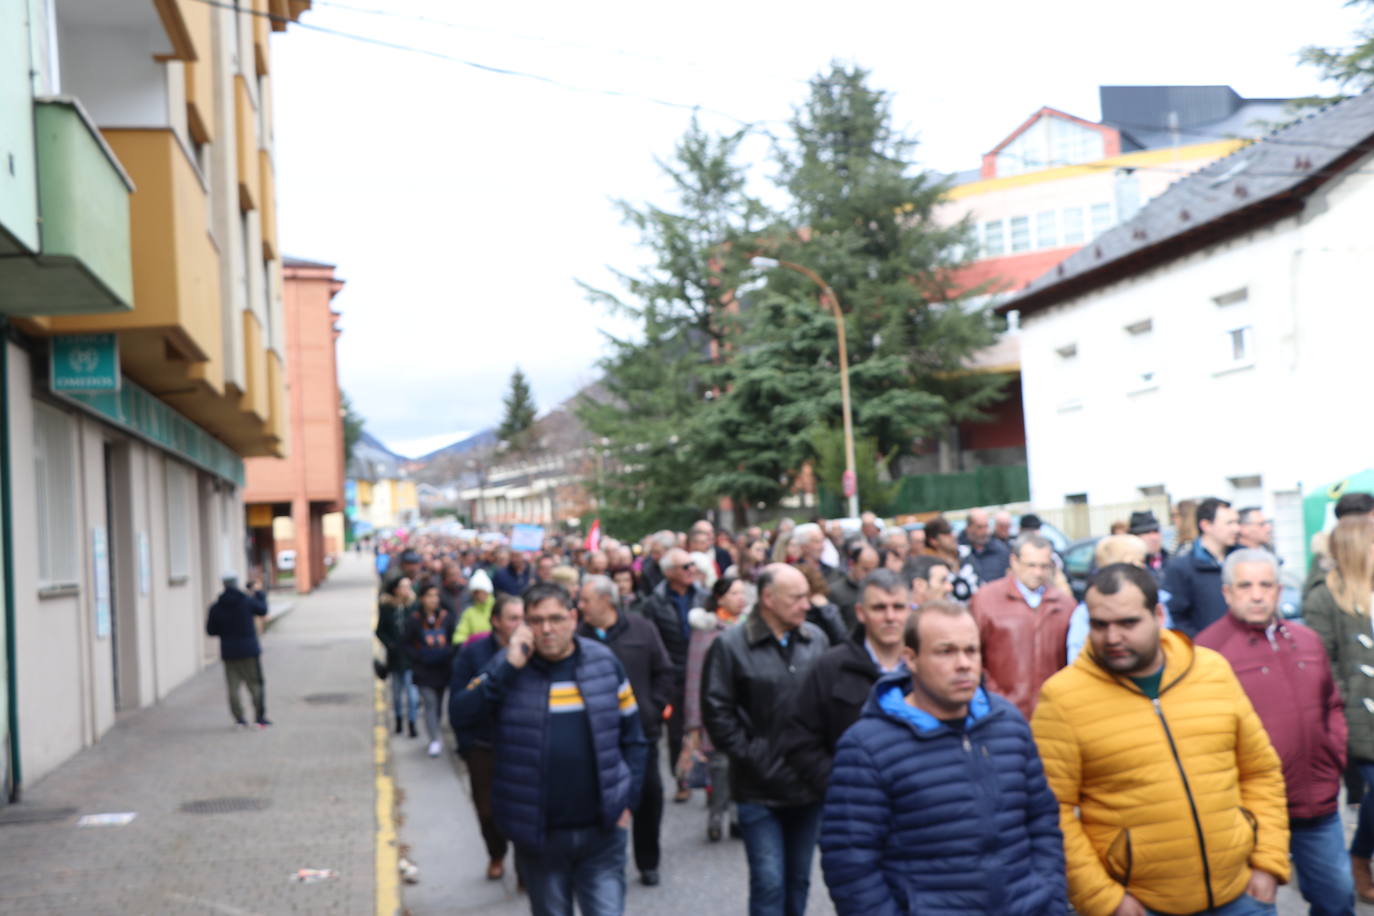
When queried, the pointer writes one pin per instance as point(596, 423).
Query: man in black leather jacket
point(751, 677)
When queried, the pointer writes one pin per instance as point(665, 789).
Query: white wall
point(1095, 429)
point(112, 70)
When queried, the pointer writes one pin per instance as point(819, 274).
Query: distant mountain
point(376, 444)
point(485, 439)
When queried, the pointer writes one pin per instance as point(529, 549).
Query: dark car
point(1078, 568)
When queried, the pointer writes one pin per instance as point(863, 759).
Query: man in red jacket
point(1285, 672)
point(1022, 622)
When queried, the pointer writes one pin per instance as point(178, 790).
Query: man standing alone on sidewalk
point(569, 753)
point(635, 641)
point(232, 620)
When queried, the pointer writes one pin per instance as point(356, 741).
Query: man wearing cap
point(231, 618)
point(1145, 526)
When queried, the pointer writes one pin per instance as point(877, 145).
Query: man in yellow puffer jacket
point(1179, 794)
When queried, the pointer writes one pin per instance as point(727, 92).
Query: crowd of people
point(936, 713)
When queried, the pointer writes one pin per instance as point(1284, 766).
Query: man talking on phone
point(569, 754)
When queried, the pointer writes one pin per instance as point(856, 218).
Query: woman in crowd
point(823, 612)
point(391, 632)
point(429, 640)
point(627, 586)
point(724, 608)
point(1339, 610)
point(476, 620)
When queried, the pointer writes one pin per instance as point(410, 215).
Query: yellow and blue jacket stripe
point(564, 696)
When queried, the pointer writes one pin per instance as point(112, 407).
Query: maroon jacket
point(1290, 684)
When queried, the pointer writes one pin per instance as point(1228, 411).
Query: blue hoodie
point(924, 818)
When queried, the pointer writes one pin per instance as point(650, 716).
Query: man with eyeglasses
point(667, 607)
point(570, 753)
point(1022, 624)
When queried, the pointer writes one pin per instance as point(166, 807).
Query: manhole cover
point(224, 805)
point(18, 815)
point(330, 699)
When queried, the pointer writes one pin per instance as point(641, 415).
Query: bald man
point(752, 674)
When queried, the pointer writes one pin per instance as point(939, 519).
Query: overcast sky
point(461, 205)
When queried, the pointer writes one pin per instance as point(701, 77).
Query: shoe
point(398, 725)
point(263, 722)
point(649, 877)
point(435, 747)
point(683, 794)
point(735, 832)
point(413, 732)
point(1364, 884)
point(496, 870)
point(239, 723)
point(713, 831)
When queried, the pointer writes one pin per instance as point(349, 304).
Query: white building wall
point(1095, 427)
point(66, 672)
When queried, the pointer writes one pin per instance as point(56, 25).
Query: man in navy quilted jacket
point(937, 801)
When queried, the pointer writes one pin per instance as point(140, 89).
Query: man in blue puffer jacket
point(570, 754)
point(938, 803)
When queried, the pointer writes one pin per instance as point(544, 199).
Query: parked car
point(1078, 568)
point(1056, 537)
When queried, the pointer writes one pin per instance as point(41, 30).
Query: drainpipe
point(7, 552)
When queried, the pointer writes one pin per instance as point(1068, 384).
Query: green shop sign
point(138, 412)
point(84, 362)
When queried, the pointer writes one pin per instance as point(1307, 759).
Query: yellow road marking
point(388, 856)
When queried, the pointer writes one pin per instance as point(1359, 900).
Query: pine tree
point(684, 305)
point(864, 220)
point(1351, 68)
point(520, 412)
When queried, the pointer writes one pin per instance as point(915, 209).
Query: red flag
point(594, 536)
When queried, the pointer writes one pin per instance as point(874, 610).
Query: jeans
point(404, 694)
point(586, 864)
point(779, 843)
point(1323, 873)
point(648, 817)
point(246, 672)
point(1244, 905)
point(432, 699)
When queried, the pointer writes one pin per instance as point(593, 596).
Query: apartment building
point(307, 485)
point(142, 362)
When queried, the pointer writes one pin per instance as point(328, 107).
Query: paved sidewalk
point(309, 781)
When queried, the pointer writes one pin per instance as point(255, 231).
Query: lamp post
point(828, 297)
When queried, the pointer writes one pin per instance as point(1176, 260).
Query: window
point(994, 242)
point(1237, 329)
point(1046, 229)
point(1142, 362)
point(1070, 372)
point(1238, 346)
point(178, 521)
point(1020, 233)
point(59, 547)
point(1073, 226)
point(1101, 218)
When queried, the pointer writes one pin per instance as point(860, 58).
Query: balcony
point(172, 340)
point(83, 265)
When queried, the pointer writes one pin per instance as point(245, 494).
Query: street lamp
point(851, 481)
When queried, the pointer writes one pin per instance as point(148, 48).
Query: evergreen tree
point(685, 307)
point(864, 220)
point(352, 425)
point(520, 412)
point(1350, 68)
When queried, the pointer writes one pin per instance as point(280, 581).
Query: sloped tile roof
point(1259, 183)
